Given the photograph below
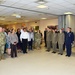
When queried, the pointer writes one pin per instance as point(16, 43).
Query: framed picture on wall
point(36, 27)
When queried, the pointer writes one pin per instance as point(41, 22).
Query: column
point(61, 21)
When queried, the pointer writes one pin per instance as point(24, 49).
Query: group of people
point(59, 40)
point(27, 39)
point(22, 39)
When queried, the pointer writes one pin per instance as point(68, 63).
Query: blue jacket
point(69, 38)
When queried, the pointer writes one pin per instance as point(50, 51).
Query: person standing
point(54, 41)
point(31, 36)
point(38, 40)
point(45, 32)
point(19, 45)
point(68, 41)
point(5, 33)
point(60, 41)
point(13, 41)
point(48, 39)
point(41, 36)
point(24, 37)
point(8, 42)
point(64, 38)
point(2, 43)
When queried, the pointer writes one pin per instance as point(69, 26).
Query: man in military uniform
point(2, 43)
point(68, 41)
point(49, 39)
point(61, 41)
point(54, 41)
point(38, 40)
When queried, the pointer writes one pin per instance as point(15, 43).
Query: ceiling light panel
point(10, 2)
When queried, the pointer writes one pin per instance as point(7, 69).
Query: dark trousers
point(64, 46)
point(30, 44)
point(57, 46)
point(5, 49)
point(68, 49)
point(13, 50)
point(19, 45)
point(45, 43)
point(24, 45)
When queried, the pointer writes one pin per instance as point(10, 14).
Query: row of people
point(22, 39)
point(28, 38)
point(62, 38)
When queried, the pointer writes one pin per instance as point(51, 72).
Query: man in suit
point(68, 41)
point(45, 32)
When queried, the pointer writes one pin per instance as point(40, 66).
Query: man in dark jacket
point(68, 41)
point(45, 32)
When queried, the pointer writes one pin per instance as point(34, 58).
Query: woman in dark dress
point(19, 46)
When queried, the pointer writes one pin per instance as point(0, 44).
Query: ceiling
point(29, 11)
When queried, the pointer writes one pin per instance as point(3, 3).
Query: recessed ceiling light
point(16, 15)
point(68, 13)
point(43, 18)
point(42, 6)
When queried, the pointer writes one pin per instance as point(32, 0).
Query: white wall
point(33, 24)
point(43, 23)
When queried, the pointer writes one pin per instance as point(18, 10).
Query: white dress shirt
point(29, 36)
point(22, 31)
point(24, 35)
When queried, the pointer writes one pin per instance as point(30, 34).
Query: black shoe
point(12, 57)
point(69, 56)
point(47, 50)
point(66, 55)
point(23, 52)
point(15, 56)
point(53, 52)
point(26, 52)
point(59, 53)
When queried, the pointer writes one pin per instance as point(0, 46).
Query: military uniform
point(2, 45)
point(34, 42)
point(68, 41)
point(37, 40)
point(54, 41)
point(60, 42)
point(49, 40)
